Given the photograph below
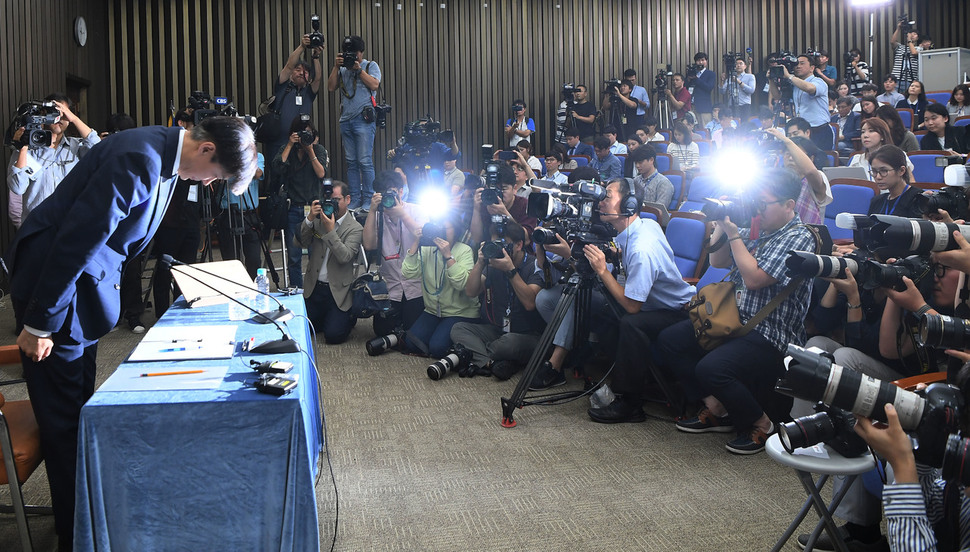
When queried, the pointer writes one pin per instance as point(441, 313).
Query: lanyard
point(887, 211)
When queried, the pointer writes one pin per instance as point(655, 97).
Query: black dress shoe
point(619, 411)
point(547, 378)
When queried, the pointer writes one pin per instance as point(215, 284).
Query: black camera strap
point(354, 77)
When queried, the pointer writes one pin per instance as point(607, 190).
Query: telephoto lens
point(379, 345)
point(810, 265)
point(955, 465)
point(892, 236)
point(543, 236)
point(454, 361)
point(944, 332)
point(832, 426)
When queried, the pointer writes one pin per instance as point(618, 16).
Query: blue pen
point(177, 349)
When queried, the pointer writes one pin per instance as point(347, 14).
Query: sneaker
point(824, 543)
point(136, 326)
point(619, 411)
point(504, 369)
point(751, 442)
point(547, 378)
point(706, 422)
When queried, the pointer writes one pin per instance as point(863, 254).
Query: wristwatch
point(511, 274)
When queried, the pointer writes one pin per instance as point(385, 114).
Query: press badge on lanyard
point(193, 194)
point(299, 99)
point(506, 320)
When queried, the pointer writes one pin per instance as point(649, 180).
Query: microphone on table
point(285, 344)
point(282, 314)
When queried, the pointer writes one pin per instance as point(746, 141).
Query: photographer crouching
point(728, 379)
point(401, 222)
point(506, 281)
point(648, 285)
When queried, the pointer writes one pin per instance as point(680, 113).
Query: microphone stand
point(285, 344)
point(280, 315)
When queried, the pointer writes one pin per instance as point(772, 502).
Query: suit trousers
point(58, 387)
point(634, 354)
point(326, 316)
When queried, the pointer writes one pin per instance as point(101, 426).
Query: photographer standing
point(739, 88)
point(810, 95)
point(905, 56)
point(856, 72)
point(584, 113)
point(730, 378)
point(702, 83)
point(402, 221)
point(678, 97)
point(649, 287)
point(299, 166)
point(824, 71)
point(296, 87)
point(506, 288)
point(333, 242)
point(520, 126)
point(358, 81)
point(35, 172)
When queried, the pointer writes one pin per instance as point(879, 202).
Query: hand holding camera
point(958, 259)
point(327, 221)
point(503, 263)
point(890, 442)
point(910, 299)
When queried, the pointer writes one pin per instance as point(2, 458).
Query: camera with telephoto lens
point(316, 37)
point(830, 425)
point(456, 360)
point(32, 116)
point(940, 331)
point(380, 344)
point(891, 236)
point(906, 26)
point(430, 232)
point(931, 416)
point(952, 199)
point(740, 209)
point(868, 272)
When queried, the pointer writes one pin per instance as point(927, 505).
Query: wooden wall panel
point(463, 63)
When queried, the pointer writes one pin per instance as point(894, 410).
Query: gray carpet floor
point(425, 465)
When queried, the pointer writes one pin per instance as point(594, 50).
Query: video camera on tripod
point(660, 81)
point(204, 106)
point(932, 416)
point(612, 87)
point(570, 212)
point(568, 93)
point(32, 116)
point(728, 59)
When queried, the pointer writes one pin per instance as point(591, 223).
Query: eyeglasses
point(882, 173)
point(939, 270)
point(761, 205)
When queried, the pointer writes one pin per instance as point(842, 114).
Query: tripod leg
point(509, 405)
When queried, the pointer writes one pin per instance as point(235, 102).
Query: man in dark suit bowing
point(65, 267)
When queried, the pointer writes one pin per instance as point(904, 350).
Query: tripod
point(663, 108)
point(578, 292)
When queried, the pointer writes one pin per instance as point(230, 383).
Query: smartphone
point(507, 155)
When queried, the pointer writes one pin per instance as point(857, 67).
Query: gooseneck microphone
point(282, 314)
point(285, 344)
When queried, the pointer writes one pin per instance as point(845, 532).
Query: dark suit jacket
point(853, 126)
point(703, 86)
point(66, 260)
point(583, 148)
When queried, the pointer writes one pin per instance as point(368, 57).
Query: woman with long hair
point(875, 134)
point(959, 104)
point(682, 148)
point(902, 137)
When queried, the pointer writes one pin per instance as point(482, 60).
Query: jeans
point(326, 317)
point(433, 333)
point(358, 138)
point(294, 251)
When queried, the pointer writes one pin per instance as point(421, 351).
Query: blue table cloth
point(214, 469)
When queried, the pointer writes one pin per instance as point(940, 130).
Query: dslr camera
point(327, 202)
point(740, 209)
point(891, 236)
point(32, 116)
point(457, 359)
point(692, 70)
point(847, 58)
point(348, 52)
point(495, 249)
point(869, 272)
point(905, 25)
point(777, 60)
point(389, 198)
point(316, 37)
point(830, 425)
point(429, 232)
point(931, 416)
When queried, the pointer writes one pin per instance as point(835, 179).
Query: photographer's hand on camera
point(911, 299)
point(958, 259)
point(891, 443)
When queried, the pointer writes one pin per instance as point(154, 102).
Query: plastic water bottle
point(263, 302)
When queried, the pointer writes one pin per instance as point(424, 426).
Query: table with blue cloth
point(206, 469)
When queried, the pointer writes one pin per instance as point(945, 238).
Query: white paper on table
point(815, 451)
point(131, 379)
point(185, 343)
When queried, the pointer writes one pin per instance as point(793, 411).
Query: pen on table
point(178, 349)
point(177, 373)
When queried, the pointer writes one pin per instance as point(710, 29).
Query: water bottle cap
point(261, 272)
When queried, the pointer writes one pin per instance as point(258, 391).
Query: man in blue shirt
point(357, 88)
point(703, 83)
point(649, 292)
point(641, 97)
point(605, 163)
point(810, 95)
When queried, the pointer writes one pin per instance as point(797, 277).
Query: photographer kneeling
point(649, 286)
point(443, 264)
point(728, 377)
point(401, 222)
point(506, 280)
